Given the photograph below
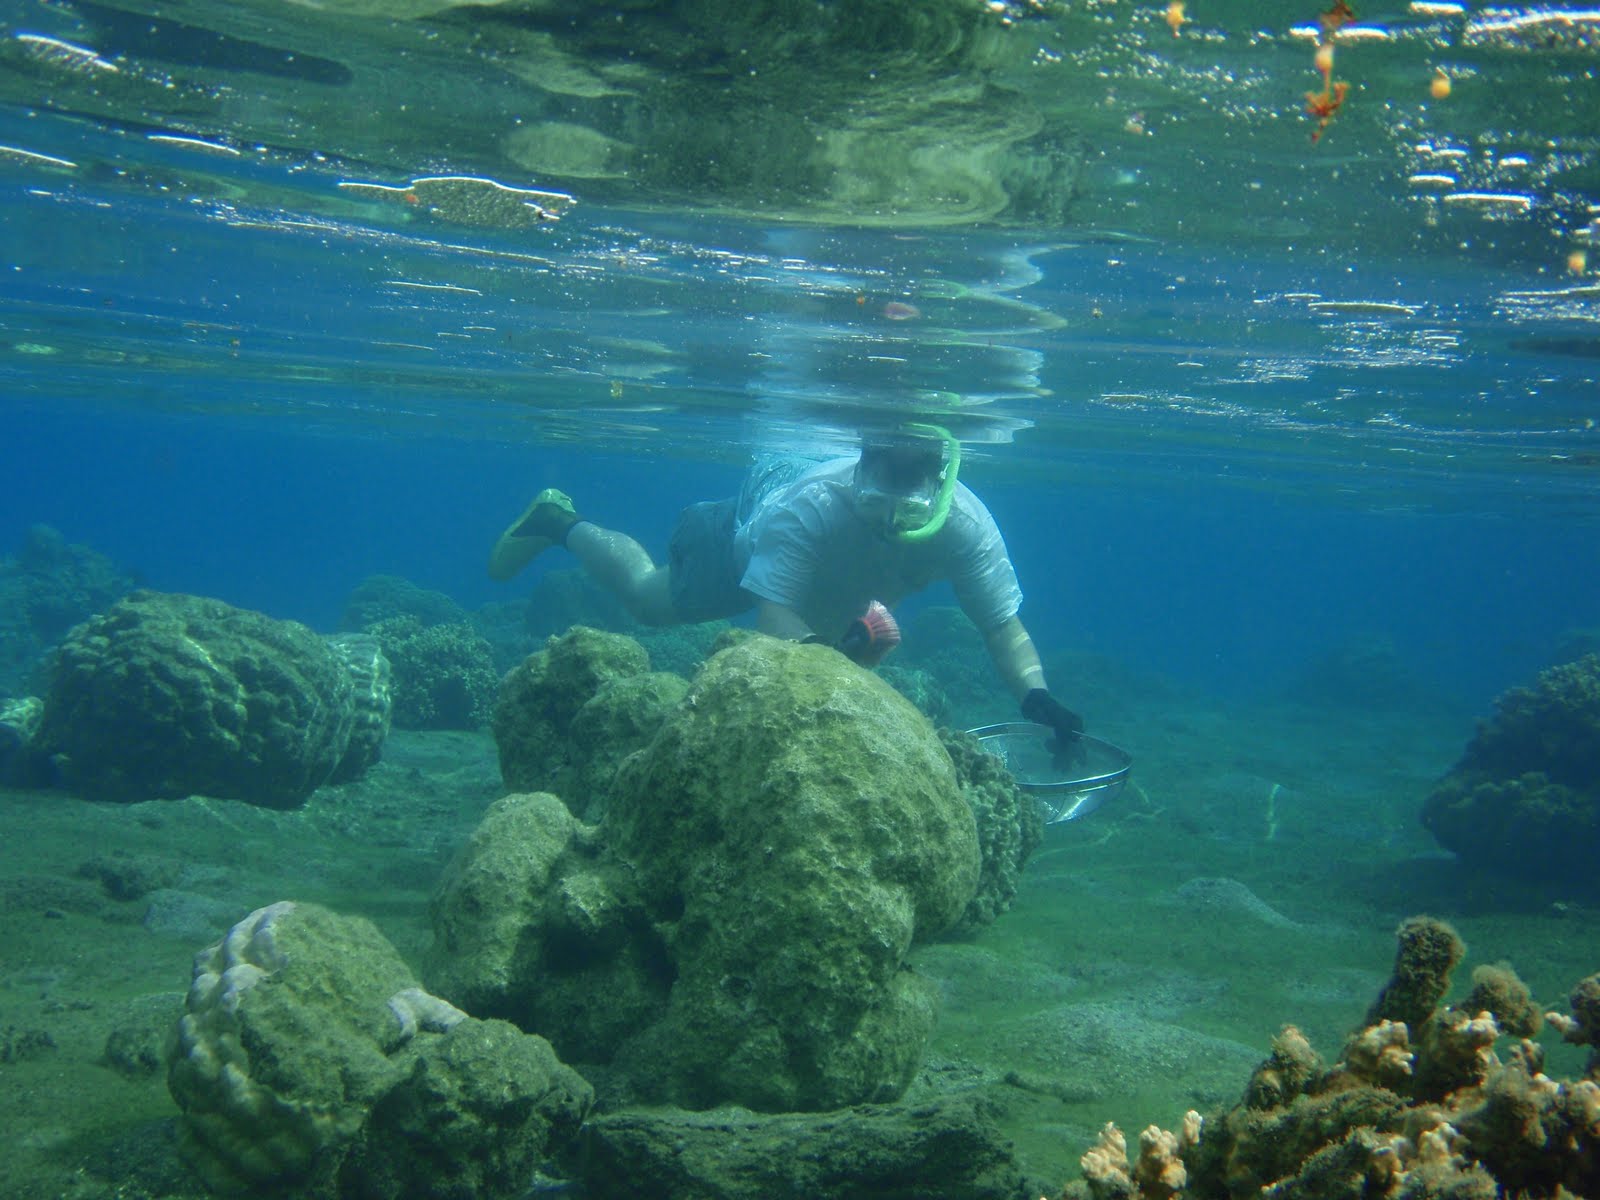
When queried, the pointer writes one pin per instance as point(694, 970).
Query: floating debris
point(470, 200)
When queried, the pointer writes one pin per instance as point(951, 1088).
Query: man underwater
point(818, 550)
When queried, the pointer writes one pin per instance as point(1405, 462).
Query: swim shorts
point(705, 572)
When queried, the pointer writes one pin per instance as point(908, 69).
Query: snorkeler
point(815, 548)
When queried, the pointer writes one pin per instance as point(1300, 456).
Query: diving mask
point(911, 480)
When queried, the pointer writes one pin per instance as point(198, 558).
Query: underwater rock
point(165, 695)
point(444, 676)
point(735, 928)
point(799, 824)
point(1429, 1110)
point(617, 720)
point(20, 764)
point(24, 1045)
point(584, 685)
point(1525, 798)
point(1366, 671)
point(534, 923)
point(951, 1148)
point(479, 1111)
point(1010, 826)
point(309, 1063)
point(127, 876)
point(1582, 1028)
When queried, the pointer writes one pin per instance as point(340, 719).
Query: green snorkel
point(915, 521)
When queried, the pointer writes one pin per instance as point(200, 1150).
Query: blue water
point(1295, 447)
point(1199, 473)
point(1218, 586)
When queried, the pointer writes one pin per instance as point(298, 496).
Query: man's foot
point(542, 524)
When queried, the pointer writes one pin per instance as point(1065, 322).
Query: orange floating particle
point(1324, 104)
point(1324, 59)
point(1335, 19)
point(1578, 262)
point(1175, 17)
point(1439, 87)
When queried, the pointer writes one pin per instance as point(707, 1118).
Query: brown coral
point(1429, 950)
point(1431, 1111)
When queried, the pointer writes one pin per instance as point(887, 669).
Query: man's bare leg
point(620, 565)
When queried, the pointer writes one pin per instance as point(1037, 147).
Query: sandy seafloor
point(1252, 875)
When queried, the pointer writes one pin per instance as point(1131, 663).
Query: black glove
point(1042, 708)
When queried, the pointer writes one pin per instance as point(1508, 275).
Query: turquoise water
point(1294, 444)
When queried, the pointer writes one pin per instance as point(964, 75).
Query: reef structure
point(1425, 1108)
point(164, 695)
point(735, 927)
point(1524, 799)
point(309, 1063)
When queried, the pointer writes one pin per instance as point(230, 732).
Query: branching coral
point(1157, 1174)
point(1425, 1111)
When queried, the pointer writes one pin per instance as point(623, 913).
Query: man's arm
point(1015, 657)
point(1014, 654)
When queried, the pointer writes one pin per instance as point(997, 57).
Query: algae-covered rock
point(21, 765)
point(309, 1064)
point(533, 923)
point(952, 1147)
point(800, 824)
point(444, 676)
point(567, 715)
point(480, 1110)
point(735, 928)
point(617, 720)
point(1525, 797)
point(167, 695)
point(1010, 825)
point(285, 1046)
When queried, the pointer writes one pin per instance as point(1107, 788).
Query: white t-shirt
point(806, 546)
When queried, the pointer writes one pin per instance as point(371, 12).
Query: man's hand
point(870, 636)
point(1042, 708)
